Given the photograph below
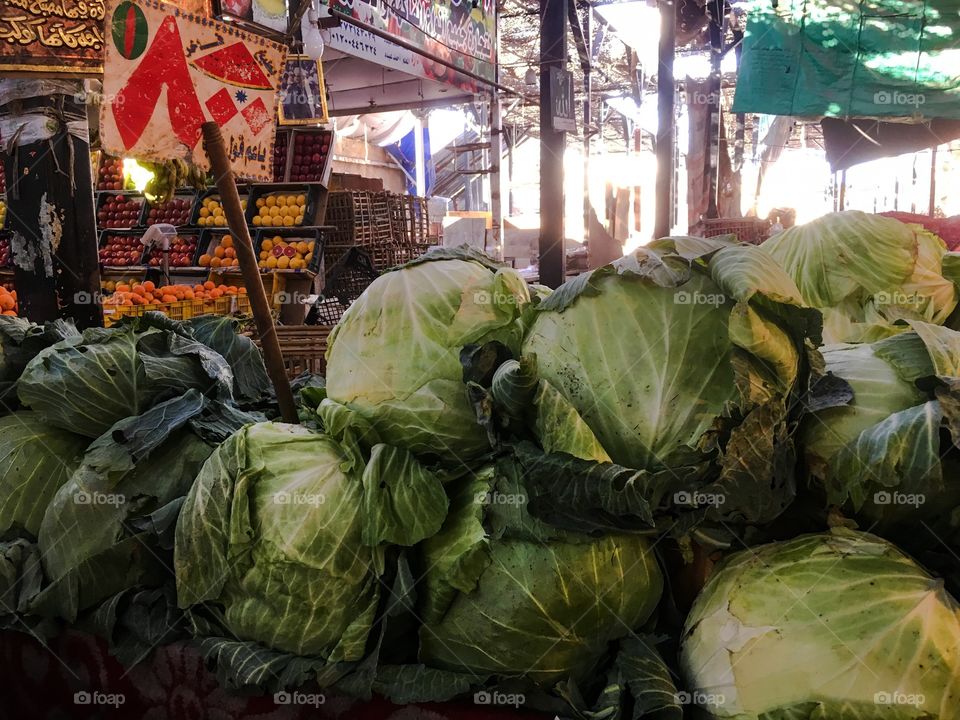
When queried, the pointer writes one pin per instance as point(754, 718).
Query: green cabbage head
point(508, 595)
point(285, 530)
point(838, 626)
point(866, 271)
point(394, 357)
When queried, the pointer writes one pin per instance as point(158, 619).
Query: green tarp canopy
point(851, 59)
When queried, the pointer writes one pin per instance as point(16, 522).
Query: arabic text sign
point(452, 31)
point(166, 72)
point(52, 36)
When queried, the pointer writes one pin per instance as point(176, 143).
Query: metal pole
point(419, 157)
point(496, 179)
point(553, 50)
point(587, 123)
point(665, 125)
point(933, 181)
point(227, 187)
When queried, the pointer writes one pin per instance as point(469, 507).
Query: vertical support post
point(933, 181)
point(496, 180)
point(50, 203)
point(666, 91)
point(421, 162)
point(587, 124)
point(842, 199)
point(553, 50)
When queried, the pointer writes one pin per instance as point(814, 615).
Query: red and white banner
point(166, 72)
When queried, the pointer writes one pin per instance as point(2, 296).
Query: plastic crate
point(191, 197)
point(345, 280)
point(747, 229)
point(134, 222)
point(183, 310)
point(314, 233)
point(242, 189)
point(315, 194)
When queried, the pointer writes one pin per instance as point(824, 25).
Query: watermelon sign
point(129, 30)
point(167, 71)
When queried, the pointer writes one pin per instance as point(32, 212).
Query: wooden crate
point(304, 348)
point(747, 229)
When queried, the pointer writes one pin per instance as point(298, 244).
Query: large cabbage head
point(890, 451)
point(508, 595)
point(35, 460)
point(284, 531)
point(394, 357)
point(866, 271)
point(86, 383)
point(675, 357)
point(840, 626)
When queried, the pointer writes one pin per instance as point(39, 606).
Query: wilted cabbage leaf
point(88, 382)
point(35, 460)
point(508, 595)
point(841, 626)
point(394, 356)
point(866, 271)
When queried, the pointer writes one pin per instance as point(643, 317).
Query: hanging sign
point(562, 111)
point(458, 31)
point(166, 72)
point(62, 37)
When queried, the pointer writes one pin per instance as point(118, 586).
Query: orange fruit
point(230, 252)
point(204, 260)
point(226, 242)
point(149, 286)
point(169, 298)
point(216, 262)
point(219, 251)
point(7, 302)
point(208, 285)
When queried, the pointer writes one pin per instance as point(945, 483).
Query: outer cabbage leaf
point(824, 626)
point(222, 334)
point(35, 460)
point(394, 356)
point(527, 599)
point(87, 383)
point(866, 272)
point(91, 543)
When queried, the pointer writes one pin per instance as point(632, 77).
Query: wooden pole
point(665, 125)
point(230, 199)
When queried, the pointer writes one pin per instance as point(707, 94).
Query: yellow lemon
point(261, 202)
point(267, 245)
point(271, 262)
point(277, 240)
point(298, 220)
point(301, 199)
point(204, 212)
point(257, 220)
point(271, 200)
point(283, 262)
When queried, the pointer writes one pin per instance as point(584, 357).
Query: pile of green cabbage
point(651, 493)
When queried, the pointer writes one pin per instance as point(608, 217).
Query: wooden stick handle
point(230, 200)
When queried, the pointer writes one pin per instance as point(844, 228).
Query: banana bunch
point(170, 175)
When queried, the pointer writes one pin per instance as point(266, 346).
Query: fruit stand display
point(283, 217)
